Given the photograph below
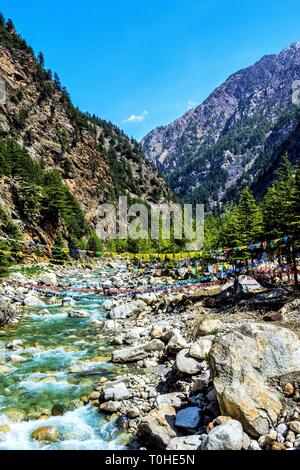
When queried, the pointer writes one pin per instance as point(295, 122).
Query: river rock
point(15, 415)
point(294, 426)
point(133, 412)
point(158, 428)
point(135, 333)
point(127, 310)
point(200, 349)
point(282, 429)
point(4, 370)
point(209, 327)
point(16, 358)
point(49, 279)
point(132, 354)
point(122, 423)
point(201, 381)
point(110, 407)
point(15, 344)
point(109, 304)
point(154, 345)
point(107, 284)
point(46, 434)
point(148, 298)
point(187, 364)
point(33, 301)
point(4, 428)
point(157, 332)
point(173, 399)
point(188, 418)
point(59, 410)
point(228, 436)
point(177, 342)
point(111, 325)
point(148, 363)
point(68, 302)
point(117, 392)
point(118, 340)
point(78, 314)
point(17, 277)
point(242, 362)
point(185, 443)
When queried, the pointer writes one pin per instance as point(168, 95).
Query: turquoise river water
point(52, 344)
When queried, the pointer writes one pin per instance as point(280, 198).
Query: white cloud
point(137, 117)
point(191, 104)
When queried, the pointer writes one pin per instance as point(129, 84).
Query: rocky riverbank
point(200, 369)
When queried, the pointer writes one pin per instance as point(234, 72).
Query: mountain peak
point(203, 154)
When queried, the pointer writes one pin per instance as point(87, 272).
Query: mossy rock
point(4, 429)
point(15, 415)
point(46, 434)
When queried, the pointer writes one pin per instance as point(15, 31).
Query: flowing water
point(52, 344)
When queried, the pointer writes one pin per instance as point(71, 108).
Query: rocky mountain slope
point(96, 161)
point(236, 136)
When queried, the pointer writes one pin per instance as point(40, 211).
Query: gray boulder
point(227, 436)
point(242, 361)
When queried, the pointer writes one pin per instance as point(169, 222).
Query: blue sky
point(143, 63)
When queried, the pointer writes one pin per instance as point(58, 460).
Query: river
point(52, 344)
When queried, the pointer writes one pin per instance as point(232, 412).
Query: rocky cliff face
point(232, 138)
point(96, 160)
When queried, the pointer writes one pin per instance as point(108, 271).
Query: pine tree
point(249, 218)
point(2, 20)
point(10, 27)
point(94, 243)
point(57, 82)
point(280, 202)
point(41, 59)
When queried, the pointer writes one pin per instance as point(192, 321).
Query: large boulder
point(227, 436)
point(187, 364)
point(157, 429)
point(242, 361)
